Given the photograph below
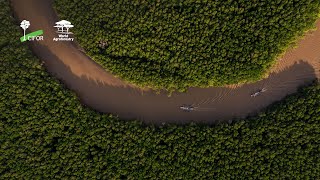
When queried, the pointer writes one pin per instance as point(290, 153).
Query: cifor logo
point(33, 36)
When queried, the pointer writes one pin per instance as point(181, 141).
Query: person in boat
point(187, 108)
point(258, 92)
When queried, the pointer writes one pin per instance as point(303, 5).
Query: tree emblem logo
point(24, 25)
point(63, 27)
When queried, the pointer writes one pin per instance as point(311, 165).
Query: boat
point(259, 92)
point(187, 108)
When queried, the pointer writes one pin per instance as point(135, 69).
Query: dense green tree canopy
point(176, 44)
point(45, 133)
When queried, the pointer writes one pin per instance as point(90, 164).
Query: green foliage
point(175, 44)
point(45, 133)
